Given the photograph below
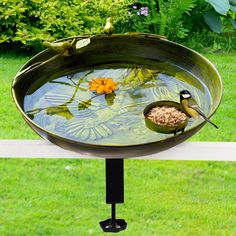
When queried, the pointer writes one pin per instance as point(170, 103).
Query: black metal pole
point(114, 194)
point(114, 181)
point(113, 214)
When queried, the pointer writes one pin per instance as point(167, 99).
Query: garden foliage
point(30, 22)
point(33, 21)
point(208, 24)
point(176, 19)
point(220, 10)
point(165, 17)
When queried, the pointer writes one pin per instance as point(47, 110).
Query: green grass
point(14, 127)
point(41, 197)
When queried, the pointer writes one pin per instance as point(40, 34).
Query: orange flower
point(103, 85)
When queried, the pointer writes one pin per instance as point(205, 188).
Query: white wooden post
point(199, 151)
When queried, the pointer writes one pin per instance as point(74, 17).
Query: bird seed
point(167, 116)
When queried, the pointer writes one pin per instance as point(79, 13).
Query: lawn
point(66, 197)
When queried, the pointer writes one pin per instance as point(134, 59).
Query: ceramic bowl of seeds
point(165, 117)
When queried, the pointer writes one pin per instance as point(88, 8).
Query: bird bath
point(53, 93)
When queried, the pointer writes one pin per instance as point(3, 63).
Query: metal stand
point(114, 194)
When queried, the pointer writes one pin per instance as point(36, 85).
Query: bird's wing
point(198, 110)
point(192, 103)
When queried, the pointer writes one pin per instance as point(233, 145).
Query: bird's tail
point(206, 119)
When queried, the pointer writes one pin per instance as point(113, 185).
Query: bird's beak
point(178, 93)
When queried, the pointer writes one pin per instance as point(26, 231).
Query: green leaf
point(110, 98)
point(84, 104)
point(221, 6)
point(144, 86)
point(232, 2)
point(4, 38)
point(82, 89)
point(31, 116)
point(213, 20)
point(60, 111)
point(233, 8)
point(233, 22)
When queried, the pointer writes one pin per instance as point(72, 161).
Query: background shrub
point(26, 23)
point(163, 17)
point(29, 22)
point(190, 22)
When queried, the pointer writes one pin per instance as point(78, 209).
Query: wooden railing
point(204, 151)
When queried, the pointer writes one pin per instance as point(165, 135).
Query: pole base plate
point(113, 227)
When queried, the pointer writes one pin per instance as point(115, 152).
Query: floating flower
point(103, 85)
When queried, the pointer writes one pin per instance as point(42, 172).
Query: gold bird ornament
point(190, 108)
point(109, 27)
point(65, 48)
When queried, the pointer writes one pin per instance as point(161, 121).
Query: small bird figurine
point(190, 108)
point(109, 27)
point(65, 48)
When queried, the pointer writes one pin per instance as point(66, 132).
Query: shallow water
point(66, 107)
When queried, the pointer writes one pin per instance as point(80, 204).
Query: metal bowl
point(132, 48)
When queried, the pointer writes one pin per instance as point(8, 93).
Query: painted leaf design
point(110, 98)
point(84, 104)
point(140, 75)
point(62, 83)
point(31, 116)
point(60, 111)
point(137, 76)
point(82, 43)
point(82, 89)
point(148, 85)
point(79, 128)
